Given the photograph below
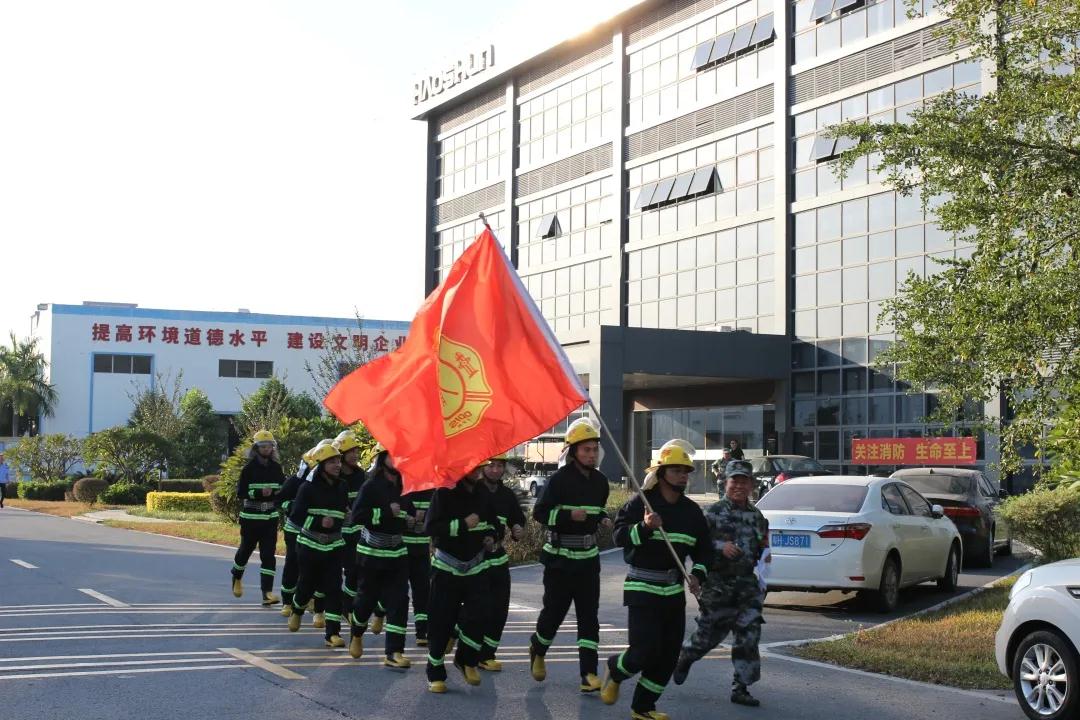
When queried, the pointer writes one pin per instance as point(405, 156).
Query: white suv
point(1039, 638)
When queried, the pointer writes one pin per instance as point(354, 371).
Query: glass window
point(814, 498)
point(882, 282)
point(881, 245)
point(828, 223)
point(854, 350)
point(264, 369)
point(893, 501)
point(854, 212)
point(915, 501)
point(881, 410)
point(140, 364)
point(122, 364)
point(909, 408)
point(909, 240)
point(803, 383)
point(103, 363)
point(829, 288)
point(829, 256)
point(226, 368)
point(805, 412)
point(855, 380)
point(828, 412)
point(829, 448)
point(855, 250)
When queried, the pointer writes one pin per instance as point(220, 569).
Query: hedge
point(89, 489)
point(40, 490)
point(1047, 520)
point(123, 494)
point(181, 486)
point(178, 502)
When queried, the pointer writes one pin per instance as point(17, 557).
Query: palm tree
point(22, 382)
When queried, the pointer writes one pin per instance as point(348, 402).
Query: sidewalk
point(102, 515)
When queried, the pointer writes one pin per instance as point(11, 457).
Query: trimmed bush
point(41, 490)
point(1047, 520)
point(123, 494)
point(209, 481)
point(87, 490)
point(181, 486)
point(177, 502)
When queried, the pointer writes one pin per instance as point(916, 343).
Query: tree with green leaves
point(23, 386)
point(265, 408)
point(336, 361)
point(202, 440)
point(1001, 171)
point(129, 454)
point(45, 457)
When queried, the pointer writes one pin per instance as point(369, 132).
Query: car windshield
point(808, 497)
point(798, 465)
point(941, 484)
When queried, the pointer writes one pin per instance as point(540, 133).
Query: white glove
point(763, 567)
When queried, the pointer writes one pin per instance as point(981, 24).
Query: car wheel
point(1045, 677)
point(888, 593)
point(532, 489)
point(985, 555)
point(948, 582)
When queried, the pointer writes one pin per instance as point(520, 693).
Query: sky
point(225, 154)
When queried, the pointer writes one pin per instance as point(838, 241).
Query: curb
point(925, 611)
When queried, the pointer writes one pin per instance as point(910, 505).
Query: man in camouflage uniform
point(731, 600)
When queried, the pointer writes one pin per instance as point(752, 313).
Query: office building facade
point(666, 191)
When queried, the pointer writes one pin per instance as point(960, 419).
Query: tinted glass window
point(893, 501)
point(122, 364)
point(103, 363)
point(799, 465)
point(140, 364)
point(916, 502)
point(941, 484)
point(810, 497)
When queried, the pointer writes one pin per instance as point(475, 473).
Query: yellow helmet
point(307, 456)
point(675, 452)
point(581, 430)
point(323, 452)
point(263, 436)
point(345, 441)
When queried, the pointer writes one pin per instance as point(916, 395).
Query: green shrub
point(1047, 520)
point(42, 490)
point(123, 494)
point(88, 490)
point(181, 486)
point(209, 481)
point(177, 502)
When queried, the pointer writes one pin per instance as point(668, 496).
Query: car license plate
point(792, 540)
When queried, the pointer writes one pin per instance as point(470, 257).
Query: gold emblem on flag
point(463, 389)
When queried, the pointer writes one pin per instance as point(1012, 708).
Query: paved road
point(108, 623)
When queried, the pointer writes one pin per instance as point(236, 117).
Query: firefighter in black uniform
point(512, 519)
point(259, 483)
point(419, 545)
point(382, 573)
point(571, 506)
point(285, 499)
point(353, 476)
point(463, 525)
point(653, 589)
point(319, 511)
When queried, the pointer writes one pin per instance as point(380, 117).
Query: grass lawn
point(60, 508)
point(172, 515)
point(953, 646)
point(213, 532)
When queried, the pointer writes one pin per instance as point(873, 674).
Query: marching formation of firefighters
point(446, 546)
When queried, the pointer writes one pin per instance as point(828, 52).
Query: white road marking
point(112, 655)
point(73, 628)
point(23, 563)
point(262, 663)
point(103, 598)
point(115, 663)
point(128, 671)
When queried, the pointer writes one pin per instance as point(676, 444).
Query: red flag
point(480, 372)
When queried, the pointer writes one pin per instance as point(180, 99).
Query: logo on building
point(461, 70)
point(463, 389)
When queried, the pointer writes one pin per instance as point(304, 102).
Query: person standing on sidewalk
point(653, 590)
point(732, 598)
point(572, 507)
point(259, 483)
point(512, 518)
point(4, 478)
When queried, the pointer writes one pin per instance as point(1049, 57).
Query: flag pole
point(637, 486)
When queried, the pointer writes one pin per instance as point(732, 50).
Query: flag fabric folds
point(479, 373)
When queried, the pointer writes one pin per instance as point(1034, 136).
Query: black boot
point(740, 695)
point(682, 669)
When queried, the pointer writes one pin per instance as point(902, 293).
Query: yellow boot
point(491, 665)
point(356, 646)
point(377, 625)
point(335, 641)
point(650, 715)
point(319, 621)
point(609, 690)
point(537, 666)
point(269, 599)
point(397, 660)
point(437, 686)
point(590, 683)
point(286, 610)
point(294, 621)
point(237, 587)
point(310, 605)
point(450, 647)
point(470, 673)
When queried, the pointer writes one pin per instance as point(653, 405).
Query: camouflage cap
point(739, 467)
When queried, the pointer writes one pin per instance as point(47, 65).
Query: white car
point(869, 534)
point(1036, 645)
